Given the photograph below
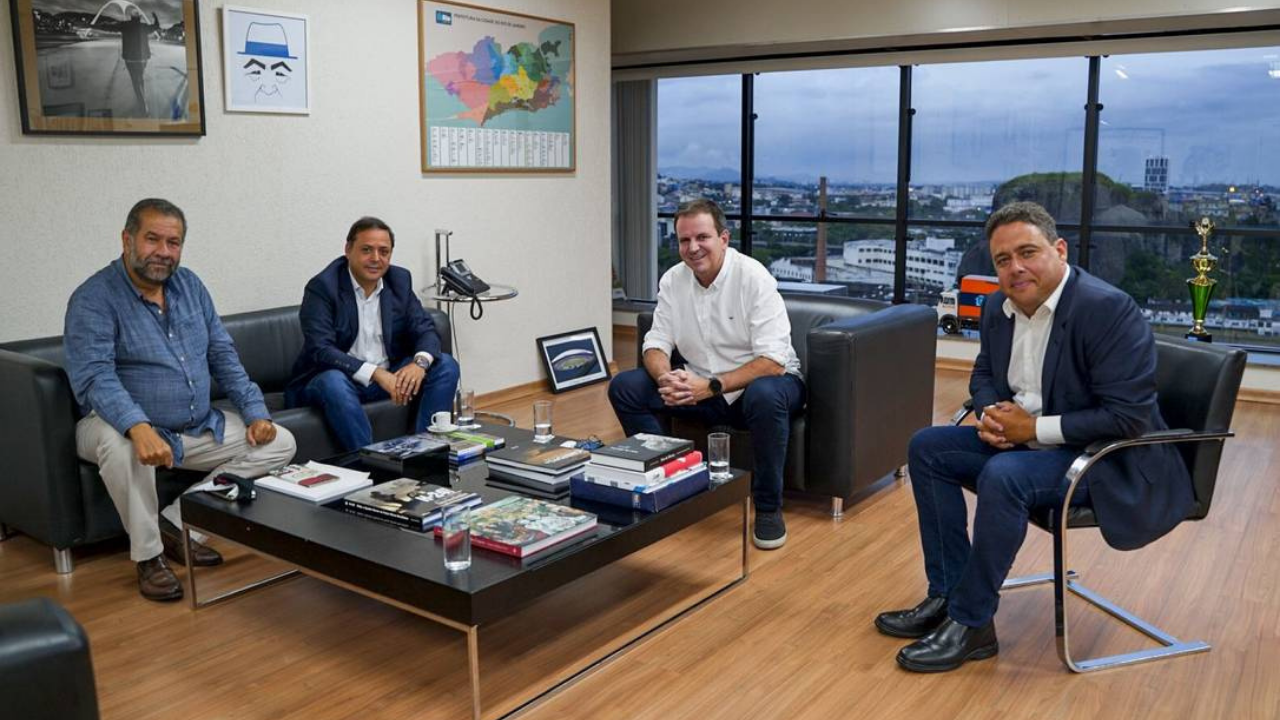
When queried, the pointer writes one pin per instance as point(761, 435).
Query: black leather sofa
point(45, 669)
point(869, 370)
point(48, 493)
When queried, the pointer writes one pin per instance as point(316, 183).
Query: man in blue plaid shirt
point(143, 343)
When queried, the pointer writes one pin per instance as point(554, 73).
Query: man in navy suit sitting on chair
point(366, 338)
point(1065, 360)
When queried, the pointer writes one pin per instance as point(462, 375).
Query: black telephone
point(459, 278)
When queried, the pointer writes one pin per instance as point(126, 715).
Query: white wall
point(269, 198)
point(664, 30)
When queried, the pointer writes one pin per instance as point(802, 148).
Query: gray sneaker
point(769, 531)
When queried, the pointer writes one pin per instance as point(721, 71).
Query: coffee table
point(406, 570)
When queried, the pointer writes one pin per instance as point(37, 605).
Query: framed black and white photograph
point(266, 58)
point(573, 359)
point(117, 67)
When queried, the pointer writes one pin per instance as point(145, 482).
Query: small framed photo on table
point(573, 359)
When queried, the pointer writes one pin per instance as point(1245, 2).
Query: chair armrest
point(965, 411)
point(870, 387)
point(40, 492)
point(1100, 449)
point(443, 328)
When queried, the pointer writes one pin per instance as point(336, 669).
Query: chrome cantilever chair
point(1197, 386)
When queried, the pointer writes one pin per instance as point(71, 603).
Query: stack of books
point(408, 455)
point(522, 526)
point(314, 481)
point(542, 469)
point(645, 472)
point(467, 445)
point(414, 504)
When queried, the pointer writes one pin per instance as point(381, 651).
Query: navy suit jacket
point(330, 322)
point(1100, 376)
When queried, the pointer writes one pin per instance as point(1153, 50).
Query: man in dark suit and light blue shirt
point(1066, 360)
point(366, 338)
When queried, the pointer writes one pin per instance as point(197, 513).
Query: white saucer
point(442, 428)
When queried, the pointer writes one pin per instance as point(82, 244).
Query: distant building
point(1156, 176)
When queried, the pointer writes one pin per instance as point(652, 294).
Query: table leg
point(473, 663)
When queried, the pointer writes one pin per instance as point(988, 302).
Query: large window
point(1172, 137)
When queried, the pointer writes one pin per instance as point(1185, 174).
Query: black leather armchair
point(45, 669)
point(868, 368)
point(1197, 386)
point(48, 493)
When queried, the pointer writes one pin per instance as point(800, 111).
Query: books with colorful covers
point(641, 452)
point(550, 463)
point(634, 480)
point(490, 441)
point(407, 454)
point(522, 526)
point(415, 504)
point(652, 499)
point(314, 481)
point(461, 450)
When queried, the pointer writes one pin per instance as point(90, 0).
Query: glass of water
point(466, 402)
point(718, 456)
point(455, 531)
point(542, 421)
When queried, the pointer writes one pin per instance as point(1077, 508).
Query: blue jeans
point(1010, 485)
point(765, 408)
point(340, 398)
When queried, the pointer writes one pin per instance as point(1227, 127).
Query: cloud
point(1213, 113)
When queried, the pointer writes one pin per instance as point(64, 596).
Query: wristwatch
point(422, 360)
point(716, 387)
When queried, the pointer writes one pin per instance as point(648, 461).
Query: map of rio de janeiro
point(497, 90)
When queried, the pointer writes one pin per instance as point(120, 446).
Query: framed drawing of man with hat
point(265, 57)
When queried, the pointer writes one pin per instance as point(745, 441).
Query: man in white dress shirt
point(721, 310)
point(1066, 360)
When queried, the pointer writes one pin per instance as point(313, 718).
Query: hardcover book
point(521, 526)
point(677, 488)
point(641, 452)
point(414, 504)
point(635, 480)
point(411, 453)
point(460, 449)
point(552, 458)
point(314, 481)
point(491, 442)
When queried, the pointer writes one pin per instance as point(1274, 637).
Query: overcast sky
point(169, 11)
point(1215, 114)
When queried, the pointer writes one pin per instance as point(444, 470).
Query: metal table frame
point(473, 631)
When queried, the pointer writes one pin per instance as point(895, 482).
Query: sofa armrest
point(40, 490)
point(870, 387)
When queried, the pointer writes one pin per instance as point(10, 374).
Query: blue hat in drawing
point(266, 39)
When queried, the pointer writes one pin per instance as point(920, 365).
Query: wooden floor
point(794, 641)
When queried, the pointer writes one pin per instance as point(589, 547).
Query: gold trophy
point(1201, 286)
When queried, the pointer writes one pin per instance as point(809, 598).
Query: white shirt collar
point(359, 290)
point(1051, 304)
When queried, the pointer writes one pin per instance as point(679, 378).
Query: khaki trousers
point(132, 485)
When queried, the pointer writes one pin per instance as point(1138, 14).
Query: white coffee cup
point(442, 419)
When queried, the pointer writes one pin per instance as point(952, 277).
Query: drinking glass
point(542, 421)
point(455, 531)
point(466, 402)
point(718, 456)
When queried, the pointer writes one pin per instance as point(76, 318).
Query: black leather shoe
point(157, 582)
point(171, 537)
point(916, 622)
point(948, 647)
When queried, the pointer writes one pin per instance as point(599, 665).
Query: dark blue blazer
point(1100, 376)
point(330, 323)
